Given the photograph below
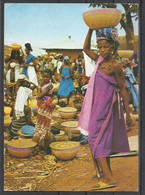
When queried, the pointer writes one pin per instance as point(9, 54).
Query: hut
point(66, 47)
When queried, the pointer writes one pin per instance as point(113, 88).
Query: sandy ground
point(38, 173)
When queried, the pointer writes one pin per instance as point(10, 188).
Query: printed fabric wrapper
point(43, 121)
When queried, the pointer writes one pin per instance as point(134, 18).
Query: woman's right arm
point(87, 46)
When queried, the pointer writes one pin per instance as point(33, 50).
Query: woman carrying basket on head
point(102, 112)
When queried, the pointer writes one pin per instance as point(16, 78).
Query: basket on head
point(102, 18)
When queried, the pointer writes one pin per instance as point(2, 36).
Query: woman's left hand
point(68, 77)
point(128, 120)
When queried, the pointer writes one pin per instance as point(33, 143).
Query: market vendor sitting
point(20, 112)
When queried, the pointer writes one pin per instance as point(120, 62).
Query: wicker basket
point(65, 150)
point(101, 18)
point(67, 112)
point(21, 147)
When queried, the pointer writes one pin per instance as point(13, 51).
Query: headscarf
point(107, 33)
point(65, 58)
point(110, 34)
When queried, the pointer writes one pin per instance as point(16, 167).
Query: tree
point(131, 11)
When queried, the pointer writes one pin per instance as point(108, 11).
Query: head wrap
point(66, 57)
point(28, 46)
point(110, 34)
point(107, 33)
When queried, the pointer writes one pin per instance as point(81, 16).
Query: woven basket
point(102, 18)
point(67, 112)
point(21, 147)
point(65, 150)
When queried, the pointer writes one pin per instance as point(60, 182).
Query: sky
point(44, 23)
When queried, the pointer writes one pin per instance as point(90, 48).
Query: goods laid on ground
point(67, 112)
point(7, 120)
point(101, 18)
point(65, 150)
point(68, 125)
point(33, 103)
point(55, 129)
point(7, 110)
point(125, 53)
point(26, 132)
point(55, 87)
point(54, 102)
point(21, 147)
point(24, 136)
point(60, 136)
point(78, 103)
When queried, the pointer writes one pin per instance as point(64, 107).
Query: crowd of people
point(25, 73)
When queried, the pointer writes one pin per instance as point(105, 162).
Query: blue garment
point(29, 59)
point(66, 85)
point(133, 88)
point(80, 69)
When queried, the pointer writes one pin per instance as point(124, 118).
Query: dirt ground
point(40, 172)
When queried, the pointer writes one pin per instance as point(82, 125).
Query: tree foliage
point(131, 10)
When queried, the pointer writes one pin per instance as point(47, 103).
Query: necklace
point(107, 66)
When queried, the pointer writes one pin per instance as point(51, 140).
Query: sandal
point(102, 185)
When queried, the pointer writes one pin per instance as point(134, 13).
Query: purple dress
point(107, 126)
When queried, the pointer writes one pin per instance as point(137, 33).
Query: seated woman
point(20, 112)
